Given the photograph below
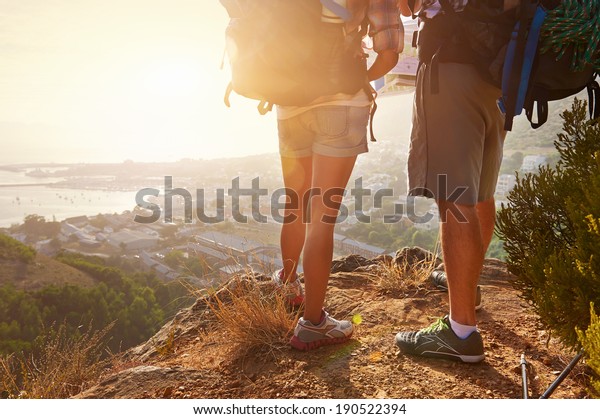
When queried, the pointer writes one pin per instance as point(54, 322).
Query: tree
point(174, 259)
point(551, 230)
point(590, 340)
point(513, 163)
point(168, 231)
point(14, 249)
point(423, 239)
point(37, 226)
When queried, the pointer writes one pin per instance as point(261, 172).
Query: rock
point(383, 259)
point(190, 321)
point(350, 263)
point(496, 269)
point(140, 382)
point(381, 394)
point(411, 256)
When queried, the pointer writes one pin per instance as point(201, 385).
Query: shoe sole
point(469, 359)
point(307, 346)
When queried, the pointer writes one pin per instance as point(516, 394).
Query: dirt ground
point(370, 366)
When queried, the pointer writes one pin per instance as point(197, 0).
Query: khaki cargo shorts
point(457, 136)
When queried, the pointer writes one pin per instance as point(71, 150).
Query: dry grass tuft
point(253, 317)
point(403, 277)
point(61, 366)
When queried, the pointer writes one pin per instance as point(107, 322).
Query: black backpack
point(280, 52)
point(508, 50)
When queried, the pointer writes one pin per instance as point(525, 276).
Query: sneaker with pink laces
point(329, 331)
point(291, 290)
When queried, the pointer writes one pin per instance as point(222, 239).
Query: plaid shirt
point(385, 26)
point(431, 8)
point(387, 32)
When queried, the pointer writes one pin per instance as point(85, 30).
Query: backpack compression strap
point(519, 62)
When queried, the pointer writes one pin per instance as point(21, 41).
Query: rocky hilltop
point(196, 355)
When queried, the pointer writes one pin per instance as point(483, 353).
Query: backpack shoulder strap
point(593, 90)
point(338, 9)
point(434, 83)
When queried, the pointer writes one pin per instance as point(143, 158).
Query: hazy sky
point(108, 80)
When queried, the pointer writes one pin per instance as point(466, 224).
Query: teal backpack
point(542, 51)
point(553, 54)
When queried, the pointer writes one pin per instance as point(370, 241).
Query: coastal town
point(246, 235)
point(221, 253)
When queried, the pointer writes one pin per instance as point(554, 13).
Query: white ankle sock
point(463, 331)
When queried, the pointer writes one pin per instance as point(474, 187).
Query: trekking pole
point(524, 375)
point(562, 376)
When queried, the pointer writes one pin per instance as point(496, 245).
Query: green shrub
point(551, 230)
point(136, 303)
point(590, 340)
point(13, 249)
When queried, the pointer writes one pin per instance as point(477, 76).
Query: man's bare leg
point(486, 211)
point(463, 252)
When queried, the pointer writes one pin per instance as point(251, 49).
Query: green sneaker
point(440, 341)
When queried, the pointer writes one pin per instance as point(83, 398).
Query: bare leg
point(297, 177)
point(330, 176)
point(486, 212)
point(463, 252)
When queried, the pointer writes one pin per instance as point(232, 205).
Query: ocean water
point(54, 203)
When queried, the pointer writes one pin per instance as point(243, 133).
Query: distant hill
point(22, 267)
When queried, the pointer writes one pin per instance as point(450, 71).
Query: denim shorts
point(333, 131)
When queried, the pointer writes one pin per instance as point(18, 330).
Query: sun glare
point(135, 82)
point(176, 78)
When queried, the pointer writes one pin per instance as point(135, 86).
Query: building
point(132, 240)
point(234, 245)
point(531, 163)
point(353, 247)
point(79, 221)
point(213, 257)
point(505, 184)
point(430, 220)
point(228, 252)
point(149, 263)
